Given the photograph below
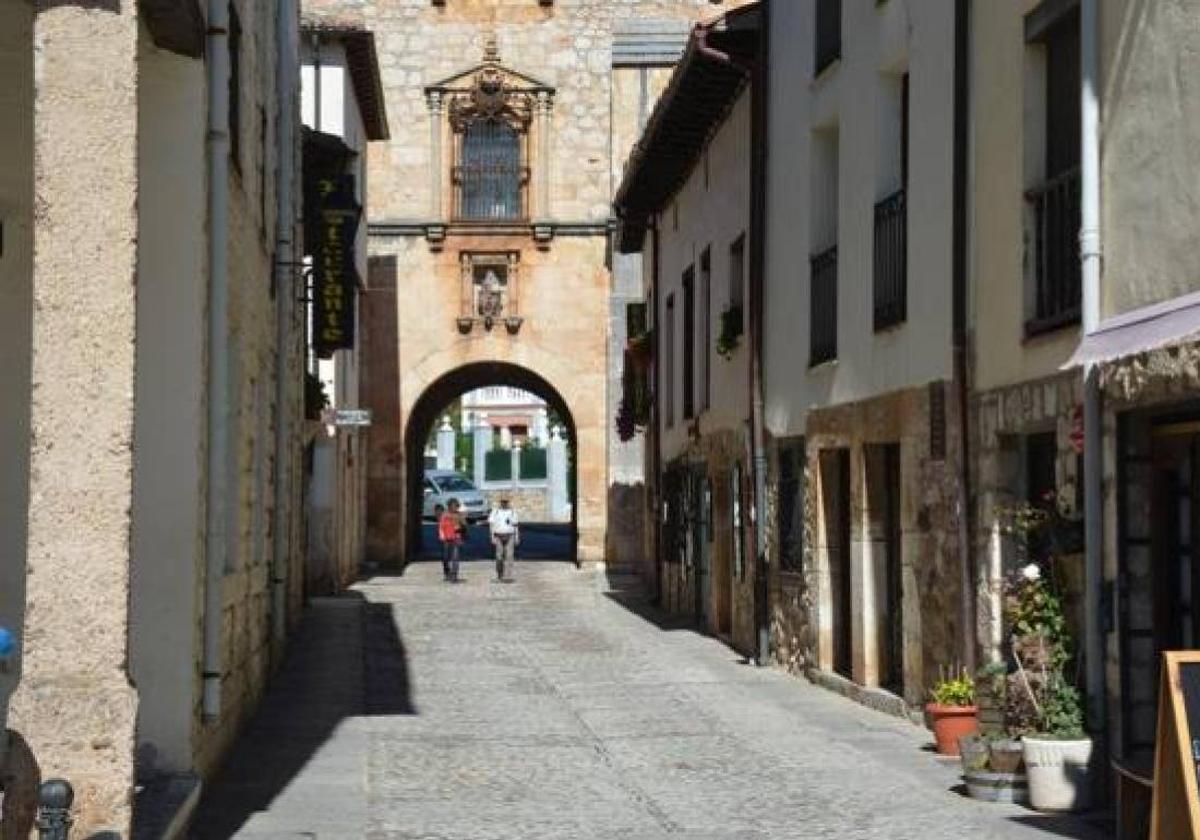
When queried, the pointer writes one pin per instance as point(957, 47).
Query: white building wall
point(170, 419)
point(856, 101)
point(710, 211)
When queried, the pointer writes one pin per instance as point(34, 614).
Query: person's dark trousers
point(447, 549)
point(452, 549)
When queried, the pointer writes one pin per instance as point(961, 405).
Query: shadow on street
point(346, 660)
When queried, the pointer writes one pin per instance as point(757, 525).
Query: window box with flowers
point(633, 413)
point(732, 327)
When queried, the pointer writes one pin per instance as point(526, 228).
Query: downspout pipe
point(216, 525)
point(1093, 452)
point(286, 74)
point(656, 499)
point(760, 124)
point(959, 306)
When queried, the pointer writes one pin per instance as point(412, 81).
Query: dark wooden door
point(891, 621)
point(835, 479)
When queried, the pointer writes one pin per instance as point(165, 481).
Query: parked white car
point(440, 486)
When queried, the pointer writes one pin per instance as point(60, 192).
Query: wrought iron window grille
point(823, 333)
point(891, 261)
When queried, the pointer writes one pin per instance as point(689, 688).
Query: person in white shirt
point(506, 535)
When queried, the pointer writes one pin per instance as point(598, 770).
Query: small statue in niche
point(491, 299)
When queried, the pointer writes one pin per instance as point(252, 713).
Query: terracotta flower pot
point(951, 723)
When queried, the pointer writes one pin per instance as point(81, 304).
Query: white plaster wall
point(1005, 160)
point(16, 267)
point(169, 422)
point(713, 210)
point(1151, 151)
point(879, 42)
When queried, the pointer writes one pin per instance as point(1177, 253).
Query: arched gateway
point(431, 405)
point(490, 211)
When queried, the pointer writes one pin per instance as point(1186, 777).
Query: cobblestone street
point(552, 709)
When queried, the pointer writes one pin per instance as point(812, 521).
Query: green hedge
point(533, 464)
point(497, 465)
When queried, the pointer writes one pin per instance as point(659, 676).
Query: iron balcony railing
point(891, 261)
point(829, 33)
point(1057, 272)
point(823, 337)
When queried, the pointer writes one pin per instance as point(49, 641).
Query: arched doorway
point(428, 409)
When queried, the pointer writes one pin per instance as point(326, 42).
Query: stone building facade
point(865, 512)
point(574, 81)
point(151, 504)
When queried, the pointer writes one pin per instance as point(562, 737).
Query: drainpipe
point(959, 291)
point(758, 252)
point(655, 419)
point(216, 532)
point(1093, 454)
point(287, 68)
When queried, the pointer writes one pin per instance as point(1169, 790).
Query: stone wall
point(1001, 417)
point(246, 589)
point(75, 706)
point(931, 635)
point(727, 608)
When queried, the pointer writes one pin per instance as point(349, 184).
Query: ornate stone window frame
point(490, 91)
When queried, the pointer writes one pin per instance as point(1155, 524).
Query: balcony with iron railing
point(1056, 273)
point(891, 261)
point(823, 332)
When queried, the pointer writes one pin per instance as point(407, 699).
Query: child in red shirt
point(450, 532)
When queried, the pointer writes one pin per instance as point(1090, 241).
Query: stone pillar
point(436, 109)
point(506, 440)
point(483, 445)
point(447, 440)
point(75, 705)
point(541, 212)
point(540, 432)
point(515, 454)
point(556, 474)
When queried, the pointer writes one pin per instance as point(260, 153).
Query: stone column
point(556, 474)
point(515, 454)
point(506, 440)
point(436, 111)
point(447, 440)
point(75, 705)
point(541, 212)
point(483, 445)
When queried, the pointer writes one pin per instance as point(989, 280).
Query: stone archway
point(423, 416)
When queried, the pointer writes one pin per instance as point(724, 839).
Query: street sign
point(346, 417)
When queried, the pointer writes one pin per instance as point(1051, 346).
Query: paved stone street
point(553, 709)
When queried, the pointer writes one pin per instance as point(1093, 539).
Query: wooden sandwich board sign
point(1176, 811)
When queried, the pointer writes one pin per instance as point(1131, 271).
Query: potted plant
point(991, 771)
point(1057, 750)
point(731, 331)
point(993, 761)
point(952, 711)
